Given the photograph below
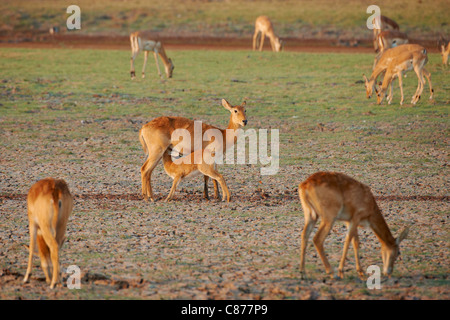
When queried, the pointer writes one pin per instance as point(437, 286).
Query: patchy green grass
point(293, 92)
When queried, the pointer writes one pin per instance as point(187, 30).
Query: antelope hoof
point(361, 276)
point(56, 284)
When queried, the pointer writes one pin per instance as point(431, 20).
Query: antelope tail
point(56, 204)
point(141, 139)
point(304, 199)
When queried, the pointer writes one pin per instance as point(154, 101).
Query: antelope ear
point(243, 104)
point(442, 48)
point(402, 235)
point(226, 104)
point(365, 78)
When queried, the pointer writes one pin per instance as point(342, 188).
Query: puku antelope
point(384, 23)
point(138, 44)
point(49, 207)
point(332, 197)
point(179, 170)
point(407, 60)
point(389, 39)
point(263, 28)
point(156, 137)
point(386, 61)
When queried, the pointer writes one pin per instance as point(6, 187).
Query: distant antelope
point(384, 23)
point(138, 44)
point(332, 197)
point(445, 51)
point(263, 28)
point(389, 39)
point(156, 137)
point(49, 207)
point(405, 61)
point(178, 170)
point(399, 60)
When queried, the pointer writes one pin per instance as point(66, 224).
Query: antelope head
point(238, 116)
point(169, 68)
point(369, 87)
point(390, 253)
point(279, 44)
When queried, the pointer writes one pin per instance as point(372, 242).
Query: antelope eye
point(235, 111)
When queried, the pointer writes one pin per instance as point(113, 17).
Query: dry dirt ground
point(192, 42)
point(195, 249)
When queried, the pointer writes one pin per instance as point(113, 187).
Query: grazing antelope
point(384, 23)
point(138, 44)
point(263, 28)
point(389, 58)
point(156, 137)
point(332, 197)
point(405, 61)
point(178, 170)
point(49, 207)
point(389, 39)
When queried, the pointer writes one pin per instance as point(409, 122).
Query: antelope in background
point(384, 23)
point(332, 197)
point(138, 44)
point(444, 47)
point(391, 60)
point(49, 207)
point(156, 138)
point(389, 39)
point(263, 28)
point(404, 61)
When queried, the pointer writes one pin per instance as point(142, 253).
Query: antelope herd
point(395, 56)
point(394, 63)
point(328, 196)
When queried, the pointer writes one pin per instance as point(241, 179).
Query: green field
point(292, 18)
point(75, 114)
point(292, 91)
